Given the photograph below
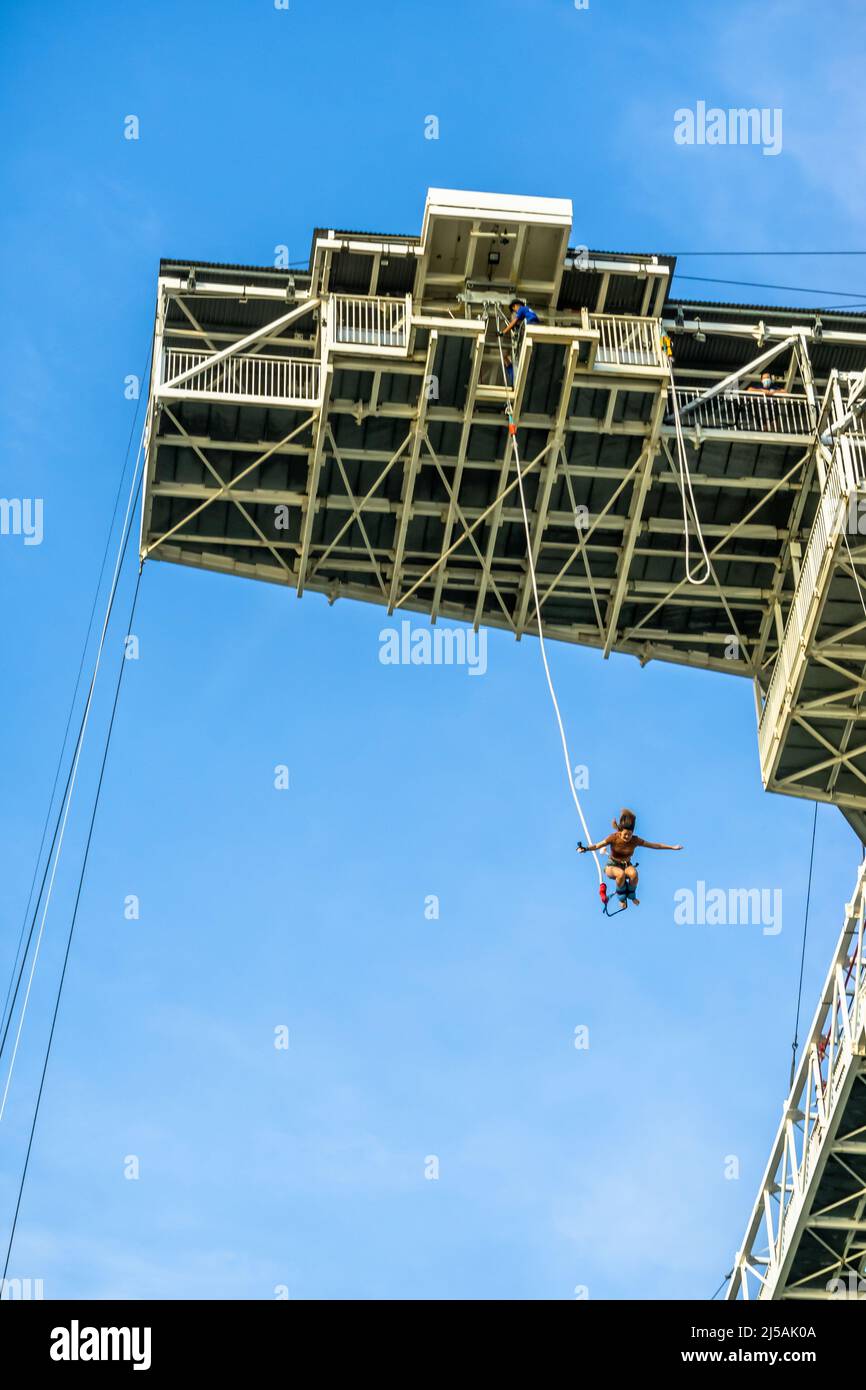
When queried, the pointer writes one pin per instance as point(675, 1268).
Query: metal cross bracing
point(806, 1237)
point(343, 431)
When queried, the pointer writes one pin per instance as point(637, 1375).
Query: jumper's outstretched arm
point(588, 849)
point(650, 844)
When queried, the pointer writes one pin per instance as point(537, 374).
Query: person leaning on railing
point(765, 387)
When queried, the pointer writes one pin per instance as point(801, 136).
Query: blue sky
point(558, 1167)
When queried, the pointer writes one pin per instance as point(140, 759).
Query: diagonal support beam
point(723, 595)
point(223, 492)
point(521, 366)
point(314, 470)
point(823, 764)
point(635, 519)
point(332, 545)
point(410, 471)
point(729, 381)
point(580, 550)
point(266, 330)
point(722, 544)
point(356, 512)
point(545, 486)
point(596, 607)
point(462, 448)
point(231, 496)
point(479, 520)
point(462, 520)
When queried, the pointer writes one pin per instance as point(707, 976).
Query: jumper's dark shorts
point(618, 864)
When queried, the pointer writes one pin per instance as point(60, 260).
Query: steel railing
point(759, 412)
point(370, 321)
point(628, 340)
point(250, 375)
point(854, 449)
point(846, 472)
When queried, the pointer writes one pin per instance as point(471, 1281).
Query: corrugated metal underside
point(591, 474)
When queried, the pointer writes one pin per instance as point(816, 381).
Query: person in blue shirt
point(521, 316)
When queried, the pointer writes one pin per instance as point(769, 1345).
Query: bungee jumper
point(620, 866)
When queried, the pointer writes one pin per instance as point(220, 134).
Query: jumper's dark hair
point(626, 820)
point(512, 302)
